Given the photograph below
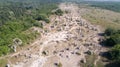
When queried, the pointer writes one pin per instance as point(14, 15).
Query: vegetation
point(110, 31)
point(115, 53)
point(106, 14)
point(113, 39)
point(42, 17)
point(59, 12)
point(90, 60)
point(109, 5)
point(17, 18)
point(3, 62)
point(105, 17)
point(114, 6)
point(60, 65)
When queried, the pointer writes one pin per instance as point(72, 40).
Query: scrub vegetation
point(18, 16)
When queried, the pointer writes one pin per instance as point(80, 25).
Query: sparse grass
point(60, 65)
point(3, 62)
point(89, 61)
point(100, 64)
point(102, 17)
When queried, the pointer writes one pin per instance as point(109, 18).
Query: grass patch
point(89, 61)
point(105, 18)
point(3, 62)
point(12, 30)
point(100, 64)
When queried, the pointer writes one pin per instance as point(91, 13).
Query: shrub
point(59, 12)
point(110, 31)
point(115, 53)
point(113, 40)
point(4, 50)
point(42, 17)
point(38, 24)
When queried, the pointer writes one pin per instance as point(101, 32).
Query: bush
point(59, 12)
point(38, 24)
point(115, 53)
point(113, 37)
point(42, 17)
point(110, 31)
point(4, 50)
point(113, 40)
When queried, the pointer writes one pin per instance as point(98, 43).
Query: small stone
point(52, 26)
point(77, 53)
point(62, 51)
point(77, 48)
point(44, 53)
point(82, 61)
point(67, 56)
point(56, 64)
point(72, 52)
point(60, 55)
point(88, 52)
point(67, 48)
point(30, 56)
point(16, 56)
point(54, 52)
point(8, 65)
point(28, 48)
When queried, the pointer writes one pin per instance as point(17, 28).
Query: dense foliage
point(113, 39)
point(18, 16)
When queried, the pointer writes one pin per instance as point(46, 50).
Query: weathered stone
point(8, 65)
point(82, 61)
point(67, 48)
point(44, 53)
point(54, 52)
point(67, 56)
point(17, 41)
point(77, 48)
point(77, 53)
point(72, 52)
point(88, 52)
point(62, 51)
point(14, 48)
point(52, 26)
point(56, 64)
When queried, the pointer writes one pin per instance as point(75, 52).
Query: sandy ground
point(63, 42)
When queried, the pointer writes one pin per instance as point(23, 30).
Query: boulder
point(17, 41)
point(14, 48)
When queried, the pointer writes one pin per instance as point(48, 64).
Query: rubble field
point(65, 42)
